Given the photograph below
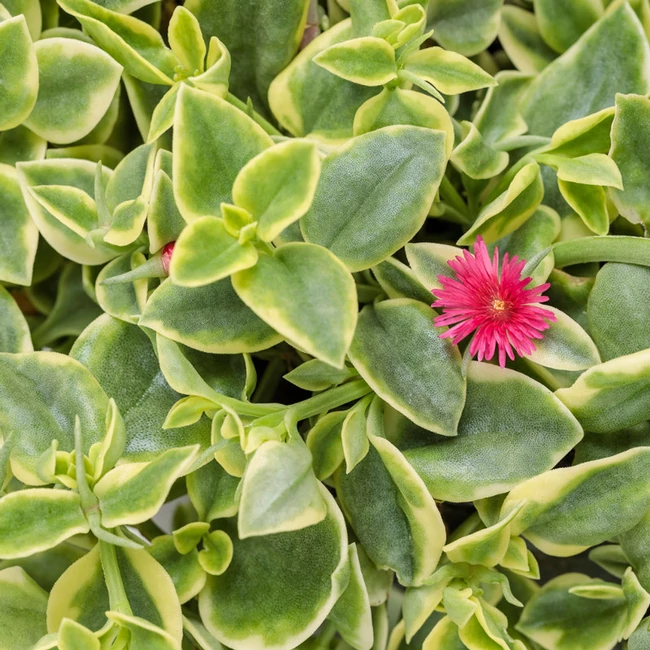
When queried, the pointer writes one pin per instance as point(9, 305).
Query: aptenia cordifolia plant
point(231, 417)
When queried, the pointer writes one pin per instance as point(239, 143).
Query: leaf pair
point(270, 192)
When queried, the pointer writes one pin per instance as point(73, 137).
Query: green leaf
point(188, 537)
point(499, 116)
point(404, 531)
point(213, 492)
point(585, 135)
point(611, 557)
point(635, 544)
point(640, 640)
point(500, 405)
point(444, 635)
point(81, 593)
point(77, 83)
point(73, 636)
point(590, 169)
point(185, 571)
point(324, 443)
point(590, 202)
point(69, 173)
point(615, 52)
point(264, 576)
point(304, 292)
point(464, 26)
point(486, 547)
point(629, 135)
point(123, 300)
point(352, 615)
point(162, 117)
point(143, 98)
point(205, 128)
point(142, 634)
point(572, 622)
point(278, 186)
point(612, 395)
point(538, 233)
point(70, 205)
point(510, 209)
point(387, 179)
point(562, 24)
point(307, 99)
point(521, 39)
point(127, 195)
point(134, 492)
point(200, 635)
point(637, 599)
point(475, 158)
point(19, 232)
point(368, 61)
point(36, 519)
point(399, 281)
point(619, 310)
point(20, 144)
point(353, 435)
point(565, 346)
point(31, 9)
point(72, 311)
point(125, 6)
point(317, 375)
point(429, 260)
point(109, 348)
point(164, 220)
point(217, 552)
point(449, 72)
point(399, 106)
point(206, 252)
point(215, 79)
point(570, 509)
point(395, 343)
point(22, 610)
point(19, 72)
point(14, 330)
point(137, 46)
point(414, 17)
point(279, 491)
point(186, 40)
point(189, 317)
point(191, 372)
point(366, 13)
point(267, 34)
point(40, 395)
point(378, 582)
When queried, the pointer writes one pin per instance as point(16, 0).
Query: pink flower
point(496, 305)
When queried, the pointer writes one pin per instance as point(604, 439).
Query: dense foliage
point(226, 413)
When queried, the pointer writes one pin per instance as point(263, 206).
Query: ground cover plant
point(324, 325)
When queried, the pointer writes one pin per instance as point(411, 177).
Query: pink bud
point(166, 256)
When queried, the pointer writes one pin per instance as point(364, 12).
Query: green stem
point(242, 106)
point(89, 502)
point(451, 196)
point(614, 248)
point(117, 597)
point(330, 399)
point(245, 408)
